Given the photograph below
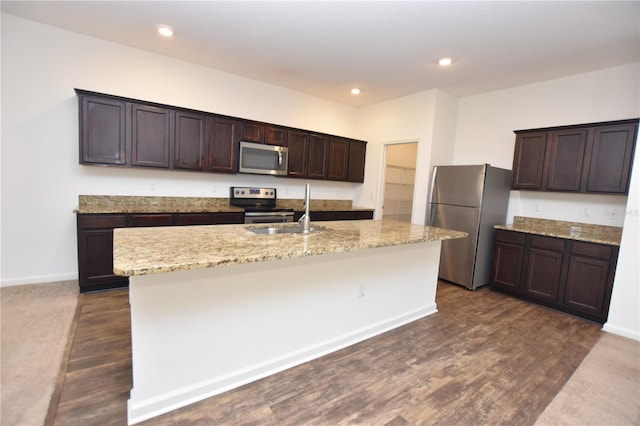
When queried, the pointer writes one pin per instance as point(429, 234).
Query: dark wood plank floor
point(484, 358)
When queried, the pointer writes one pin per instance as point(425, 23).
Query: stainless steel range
point(259, 205)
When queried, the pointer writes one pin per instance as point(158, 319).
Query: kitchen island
point(216, 307)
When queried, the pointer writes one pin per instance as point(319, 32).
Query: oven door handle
point(283, 214)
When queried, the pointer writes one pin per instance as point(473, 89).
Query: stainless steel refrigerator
point(470, 199)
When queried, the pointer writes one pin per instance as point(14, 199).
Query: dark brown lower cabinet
point(322, 215)
point(95, 241)
point(572, 276)
point(542, 280)
point(95, 251)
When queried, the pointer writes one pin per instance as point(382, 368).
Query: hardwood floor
point(484, 358)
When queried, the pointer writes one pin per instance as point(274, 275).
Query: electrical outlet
point(361, 288)
point(586, 212)
point(612, 213)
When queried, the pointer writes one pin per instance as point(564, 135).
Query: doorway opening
point(399, 180)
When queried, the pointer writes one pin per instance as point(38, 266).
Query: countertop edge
point(566, 236)
point(430, 234)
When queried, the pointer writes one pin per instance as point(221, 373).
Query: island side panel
point(201, 332)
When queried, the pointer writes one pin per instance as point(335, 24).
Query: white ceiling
point(387, 48)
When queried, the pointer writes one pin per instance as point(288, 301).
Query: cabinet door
point(252, 132)
point(190, 141)
point(528, 160)
point(151, 136)
point(586, 284)
point(590, 279)
point(611, 158)
point(95, 252)
point(298, 154)
point(508, 255)
point(276, 136)
point(223, 145)
point(544, 268)
point(566, 157)
point(318, 157)
point(102, 130)
point(357, 154)
point(338, 159)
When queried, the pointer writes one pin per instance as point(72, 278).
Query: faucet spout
point(305, 220)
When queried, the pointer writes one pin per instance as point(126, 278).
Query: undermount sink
point(273, 230)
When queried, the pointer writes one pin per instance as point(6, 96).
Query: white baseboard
point(144, 410)
point(38, 279)
point(631, 334)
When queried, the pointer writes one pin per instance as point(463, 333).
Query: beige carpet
point(604, 390)
point(35, 321)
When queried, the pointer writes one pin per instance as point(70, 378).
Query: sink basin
point(273, 230)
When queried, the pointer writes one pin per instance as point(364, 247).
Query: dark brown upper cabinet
point(276, 136)
point(357, 154)
point(318, 156)
point(103, 131)
point(223, 145)
point(528, 160)
point(191, 136)
point(338, 159)
point(127, 132)
point(298, 154)
point(150, 136)
point(252, 132)
point(584, 158)
point(611, 158)
point(566, 158)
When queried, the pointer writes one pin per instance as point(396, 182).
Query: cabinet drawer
point(510, 237)
point(592, 250)
point(193, 219)
point(102, 221)
point(547, 243)
point(151, 219)
point(228, 218)
point(346, 215)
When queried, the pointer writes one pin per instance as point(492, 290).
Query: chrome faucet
point(305, 220)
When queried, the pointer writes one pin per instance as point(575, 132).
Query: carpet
point(604, 390)
point(35, 321)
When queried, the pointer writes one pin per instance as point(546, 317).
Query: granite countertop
point(96, 204)
point(557, 228)
point(140, 251)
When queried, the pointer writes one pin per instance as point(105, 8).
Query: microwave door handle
point(279, 159)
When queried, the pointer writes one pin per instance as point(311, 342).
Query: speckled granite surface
point(140, 251)
point(557, 228)
point(88, 204)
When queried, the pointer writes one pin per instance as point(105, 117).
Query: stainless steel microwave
point(263, 159)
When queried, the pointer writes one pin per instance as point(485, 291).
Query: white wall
point(486, 123)
point(428, 118)
point(485, 134)
point(41, 177)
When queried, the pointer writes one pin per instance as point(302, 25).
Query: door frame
point(383, 171)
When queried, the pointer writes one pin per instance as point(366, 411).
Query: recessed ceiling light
point(444, 62)
point(355, 91)
point(165, 30)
